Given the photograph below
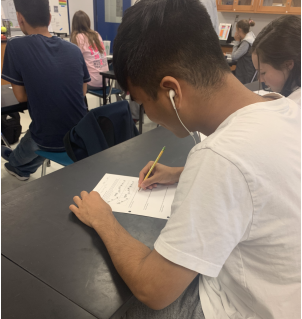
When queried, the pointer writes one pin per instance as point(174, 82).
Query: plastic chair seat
point(100, 92)
point(59, 157)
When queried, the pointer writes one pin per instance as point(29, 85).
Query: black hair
point(278, 42)
point(159, 38)
point(35, 12)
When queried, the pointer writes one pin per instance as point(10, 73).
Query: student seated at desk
point(92, 47)
point(241, 51)
point(276, 54)
point(231, 248)
point(51, 75)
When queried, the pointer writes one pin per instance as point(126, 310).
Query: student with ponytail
point(241, 51)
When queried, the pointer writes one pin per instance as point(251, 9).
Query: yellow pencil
point(151, 169)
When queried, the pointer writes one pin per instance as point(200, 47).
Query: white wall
point(261, 20)
point(86, 6)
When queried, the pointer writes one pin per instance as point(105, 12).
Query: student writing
point(231, 248)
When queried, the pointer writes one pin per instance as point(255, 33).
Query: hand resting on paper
point(91, 209)
point(161, 174)
point(153, 279)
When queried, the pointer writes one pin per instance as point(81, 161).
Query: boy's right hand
point(161, 174)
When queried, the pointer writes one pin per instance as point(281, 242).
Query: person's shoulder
point(251, 118)
point(296, 96)
point(80, 36)
point(17, 40)
point(69, 46)
point(82, 39)
point(18, 44)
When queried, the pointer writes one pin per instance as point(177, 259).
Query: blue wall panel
point(107, 30)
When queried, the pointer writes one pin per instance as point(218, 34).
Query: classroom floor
point(8, 182)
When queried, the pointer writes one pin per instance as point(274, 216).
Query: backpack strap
point(68, 146)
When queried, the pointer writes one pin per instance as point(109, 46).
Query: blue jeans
point(24, 159)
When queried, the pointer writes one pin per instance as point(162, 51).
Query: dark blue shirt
point(53, 72)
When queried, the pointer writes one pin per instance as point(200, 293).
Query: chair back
point(101, 128)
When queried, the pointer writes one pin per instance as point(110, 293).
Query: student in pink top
point(92, 47)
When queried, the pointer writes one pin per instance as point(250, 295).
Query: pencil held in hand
point(151, 169)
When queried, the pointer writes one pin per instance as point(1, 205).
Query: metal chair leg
point(119, 98)
point(44, 165)
point(141, 116)
point(254, 76)
point(5, 140)
point(108, 97)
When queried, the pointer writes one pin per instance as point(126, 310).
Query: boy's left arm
point(20, 93)
point(153, 279)
point(11, 71)
point(85, 88)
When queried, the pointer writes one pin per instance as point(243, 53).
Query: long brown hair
point(278, 42)
point(81, 24)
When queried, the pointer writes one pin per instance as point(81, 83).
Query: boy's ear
point(20, 18)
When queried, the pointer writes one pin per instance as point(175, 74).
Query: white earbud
point(172, 94)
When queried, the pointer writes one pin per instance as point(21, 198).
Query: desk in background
point(3, 47)
point(9, 103)
point(254, 86)
point(228, 48)
point(109, 58)
point(110, 75)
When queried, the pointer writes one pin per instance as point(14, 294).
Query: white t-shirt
point(296, 96)
point(236, 215)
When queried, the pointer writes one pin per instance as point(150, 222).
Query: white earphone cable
point(172, 94)
point(191, 133)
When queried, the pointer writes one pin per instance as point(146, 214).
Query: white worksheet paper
point(121, 193)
